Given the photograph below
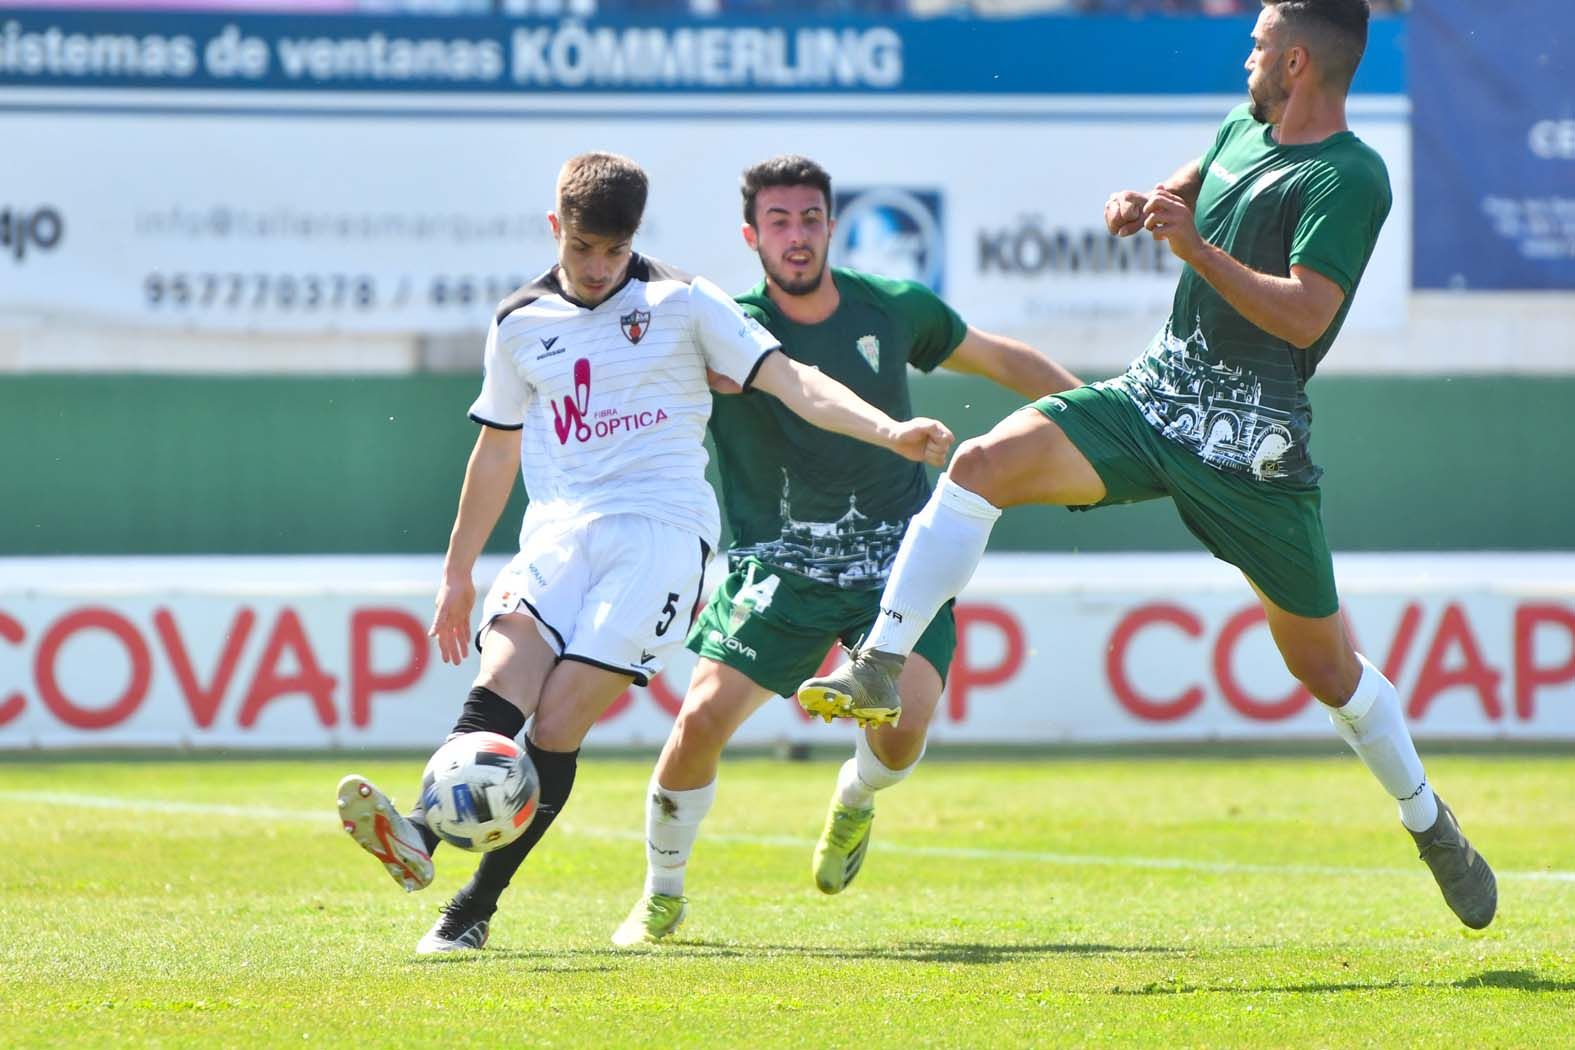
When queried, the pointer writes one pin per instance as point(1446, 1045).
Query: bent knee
point(700, 729)
point(977, 468)
point(895, 748)
point(1331, 680)
point(554, 729)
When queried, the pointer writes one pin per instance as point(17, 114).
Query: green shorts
point(1271, 531)
point(775, 627)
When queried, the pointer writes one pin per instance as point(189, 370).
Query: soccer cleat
point(654, 917)
point(370, 818)
point(1462, 873)
point(863, 689)
point(458, 929)
point(840, 852)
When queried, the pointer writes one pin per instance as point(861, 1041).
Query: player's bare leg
point(1026, 458)
point(718, 701)
point(681, 791)
point(572, 697)
point(1366, 712)
point(516, 660)
point(883, 757)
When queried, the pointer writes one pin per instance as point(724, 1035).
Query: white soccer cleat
point(370, 818)
point(457, 930)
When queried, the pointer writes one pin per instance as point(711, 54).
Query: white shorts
point(619, 592)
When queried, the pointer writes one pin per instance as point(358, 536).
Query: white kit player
point(596, 389)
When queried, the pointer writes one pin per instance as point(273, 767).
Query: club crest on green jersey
point(869, 349)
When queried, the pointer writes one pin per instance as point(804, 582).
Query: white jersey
point(612, 401)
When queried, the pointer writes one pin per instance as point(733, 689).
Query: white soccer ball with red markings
point(480, 791)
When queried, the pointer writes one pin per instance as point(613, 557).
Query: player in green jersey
point(1275, 224)
point(815, 525)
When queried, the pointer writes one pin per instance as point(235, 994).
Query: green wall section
point(1437, 463)
point(98, 464)
point(189, 465)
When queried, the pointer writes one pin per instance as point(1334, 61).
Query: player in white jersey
point(596, 389)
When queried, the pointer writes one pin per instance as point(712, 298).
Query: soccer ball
point(479, 791)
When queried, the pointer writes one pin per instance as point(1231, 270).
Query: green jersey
point(804, 500)
point(1211, 379)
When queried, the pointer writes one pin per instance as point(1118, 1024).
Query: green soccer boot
point(654, 917)
point(840, 852)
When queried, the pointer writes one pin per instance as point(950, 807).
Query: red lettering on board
point(965, 677)
point(1454, 632)
point(62, 706)
point(1529, 676)
point(11, 704)
point(1150, 709)
point(204, 703)
point(268, 684)
point(364, 681)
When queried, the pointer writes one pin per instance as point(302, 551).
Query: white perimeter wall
point(331, 652)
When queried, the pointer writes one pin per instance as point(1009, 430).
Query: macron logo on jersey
point(572, 419)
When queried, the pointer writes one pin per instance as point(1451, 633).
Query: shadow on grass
point(584, 959)
point(1519, 980)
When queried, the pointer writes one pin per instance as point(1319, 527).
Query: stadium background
point(249, 250)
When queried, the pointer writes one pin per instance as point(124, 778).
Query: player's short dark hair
point(786, 170)
point(602, 193)
point(1335, 31)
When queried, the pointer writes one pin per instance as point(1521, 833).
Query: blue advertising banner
point(1493, 133)
point(1047, 55)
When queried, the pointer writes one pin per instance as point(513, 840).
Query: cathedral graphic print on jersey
point(1215, 409)
point(854, 552)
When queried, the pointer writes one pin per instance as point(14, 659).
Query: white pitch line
point(326, 818)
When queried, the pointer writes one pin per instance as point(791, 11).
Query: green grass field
point(1164, 902)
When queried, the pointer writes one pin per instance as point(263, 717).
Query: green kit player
point(1275, 223)
point(815, 526)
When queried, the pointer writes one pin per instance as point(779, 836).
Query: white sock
point(942, 548)
point(1373, 724)
point(864, 774)
point(672, 823)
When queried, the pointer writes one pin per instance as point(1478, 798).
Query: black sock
point(556, 770)
point(487, 712)
point(484, 712)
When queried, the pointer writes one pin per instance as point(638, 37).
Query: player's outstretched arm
point(489, 477)
point(1124, 208)
point(1012, 364)
point(823, 401)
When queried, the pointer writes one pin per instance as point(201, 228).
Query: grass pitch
point(1231, 902)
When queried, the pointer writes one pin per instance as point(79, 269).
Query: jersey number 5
point(669, 611)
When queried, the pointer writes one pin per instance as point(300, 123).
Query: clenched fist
point(1124, 212)
point(923, 441)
